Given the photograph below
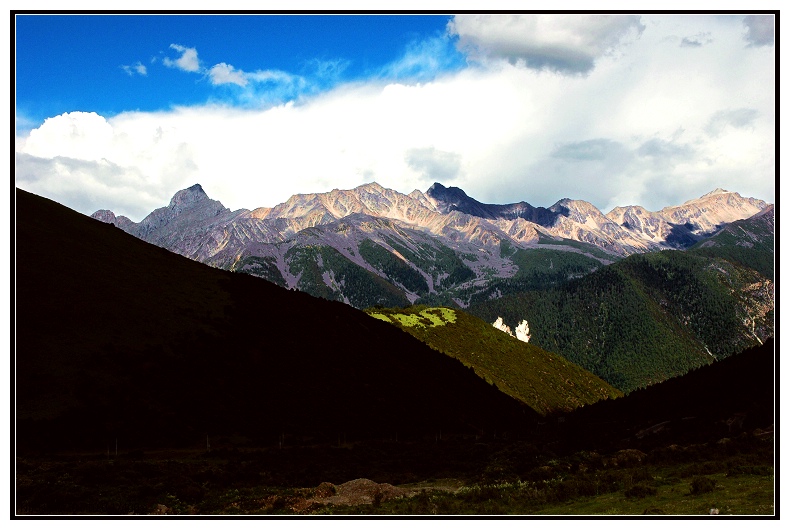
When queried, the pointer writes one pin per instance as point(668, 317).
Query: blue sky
point(111, 64)
point(122, 111)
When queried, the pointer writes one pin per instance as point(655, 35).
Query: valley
point(228, 394)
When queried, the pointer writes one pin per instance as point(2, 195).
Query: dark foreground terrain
point(491, 477)
point(701, 442)
point(698, 443)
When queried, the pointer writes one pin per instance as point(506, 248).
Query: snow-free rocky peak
point(451, 199)
point(190, 195)
point(717, 191)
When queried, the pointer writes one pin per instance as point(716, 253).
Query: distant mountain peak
point(371, 186)
point(717, 191)
point(447, 193)
point(192, 194)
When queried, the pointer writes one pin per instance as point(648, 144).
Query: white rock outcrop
point(501, 326)
point(522, 330)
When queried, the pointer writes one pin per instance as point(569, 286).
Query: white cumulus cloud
point(188, 61)
point(137, 68)
point(222, 74)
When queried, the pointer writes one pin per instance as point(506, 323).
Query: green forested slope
point(646, 318)
point(538, 268)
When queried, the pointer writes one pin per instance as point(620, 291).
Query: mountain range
point(375, 246)
point(633, 296)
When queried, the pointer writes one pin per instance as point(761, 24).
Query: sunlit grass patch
point(409, 320)
point(445, 316)
point(427, 318)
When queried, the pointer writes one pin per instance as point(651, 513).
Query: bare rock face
point(187, 208)
point(522, 330)
point(581, 221)
point(106, 216)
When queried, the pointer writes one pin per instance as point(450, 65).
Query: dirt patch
point(351, 493)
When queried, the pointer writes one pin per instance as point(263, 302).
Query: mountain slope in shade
point(119, 338)
point(715, 402)
point(451, 199)
point(440, 234)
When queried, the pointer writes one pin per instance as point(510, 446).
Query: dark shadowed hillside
point(118, 338)
point(721, 400)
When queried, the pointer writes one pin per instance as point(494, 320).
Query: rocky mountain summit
point(409, 246)
point(684, 225)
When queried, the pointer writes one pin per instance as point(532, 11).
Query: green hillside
point(544, 381)
point(646, 318)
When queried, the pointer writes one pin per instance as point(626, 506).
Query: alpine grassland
point(545, 381)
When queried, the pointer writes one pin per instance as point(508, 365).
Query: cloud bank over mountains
point(614, 109)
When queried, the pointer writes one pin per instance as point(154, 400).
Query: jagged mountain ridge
point(455, 199)
point(421, 228)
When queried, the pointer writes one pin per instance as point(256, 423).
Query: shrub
point(750, 470)
point(540, 474)
point(585, 487)
point(701, 485)
point(640, 491)
point(701, 468)
point(566, 490)
point(640, 474)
